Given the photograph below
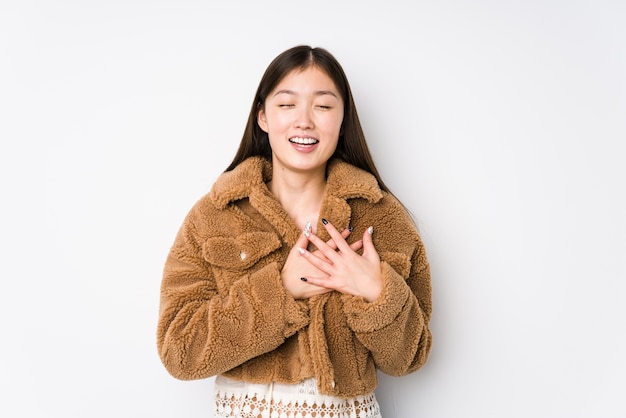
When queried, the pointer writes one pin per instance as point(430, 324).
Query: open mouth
point(303, 141)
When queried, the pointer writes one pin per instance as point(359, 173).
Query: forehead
point(308, 80)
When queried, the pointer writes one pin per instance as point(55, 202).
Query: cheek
point(335, 124)
point(277, 121)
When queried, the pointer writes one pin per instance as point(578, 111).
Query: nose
point(304, 119)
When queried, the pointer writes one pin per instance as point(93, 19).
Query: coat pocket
point(240, 252)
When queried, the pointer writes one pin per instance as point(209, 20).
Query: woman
point(299, 274)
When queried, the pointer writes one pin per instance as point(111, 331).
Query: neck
point(300, 194)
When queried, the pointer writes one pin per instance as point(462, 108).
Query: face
point(302, 117)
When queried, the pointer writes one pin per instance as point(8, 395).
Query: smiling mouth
point(303, 141)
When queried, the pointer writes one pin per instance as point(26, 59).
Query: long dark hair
point(351, 147)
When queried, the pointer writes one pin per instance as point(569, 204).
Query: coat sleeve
point(395, 327)
point(202, 332)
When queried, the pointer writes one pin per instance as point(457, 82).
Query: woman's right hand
point(297, 267)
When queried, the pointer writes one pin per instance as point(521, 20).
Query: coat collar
point(344, 182)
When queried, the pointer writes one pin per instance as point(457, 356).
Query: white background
point(500, 124)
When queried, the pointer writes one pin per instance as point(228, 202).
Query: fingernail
point(303, 279)
point(307, 229)
point(350, 228)
point(324, 221)
point(301, 250)
point(370, 230)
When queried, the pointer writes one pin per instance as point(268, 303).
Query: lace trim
point(235, 399)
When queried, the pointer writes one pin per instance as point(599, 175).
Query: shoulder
point(388, 212)
point(216, 212)
point(239, 182)
point(394, 227)
point(346, 181)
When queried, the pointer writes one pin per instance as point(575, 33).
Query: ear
point(262, 119)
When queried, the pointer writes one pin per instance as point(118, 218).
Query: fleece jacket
point(224, 310)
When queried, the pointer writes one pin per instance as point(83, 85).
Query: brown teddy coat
point(225, 311)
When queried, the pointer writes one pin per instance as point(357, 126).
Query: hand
point(343, 268)
point(297, 267)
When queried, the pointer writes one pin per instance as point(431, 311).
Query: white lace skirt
point(236, 399)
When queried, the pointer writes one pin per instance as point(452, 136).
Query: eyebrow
point(317, 93)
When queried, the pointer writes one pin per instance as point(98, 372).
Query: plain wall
point(500, 124)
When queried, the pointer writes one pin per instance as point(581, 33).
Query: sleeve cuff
point(364, 316)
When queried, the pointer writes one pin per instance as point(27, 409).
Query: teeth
point(303, 141)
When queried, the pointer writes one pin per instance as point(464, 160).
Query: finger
point(317, 282)
point(368, 243)
point(344, 234)
point(355, 246)
point(339, 240)
point(325, 250)
point(322, 263)
point(303, 241)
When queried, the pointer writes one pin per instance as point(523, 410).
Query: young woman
point(299, 275)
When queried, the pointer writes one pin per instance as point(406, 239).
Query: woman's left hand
point(348, 272)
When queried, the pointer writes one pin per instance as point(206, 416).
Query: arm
point(395, 327)
point(202, 332)
point(387, 303)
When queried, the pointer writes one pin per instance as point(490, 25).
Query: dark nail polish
point(303, 279)
point(324, 221)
